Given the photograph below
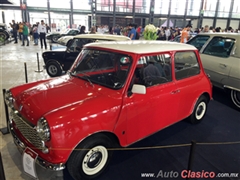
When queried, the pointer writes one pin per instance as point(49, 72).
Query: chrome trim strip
point(21, 147)
point(229, 87)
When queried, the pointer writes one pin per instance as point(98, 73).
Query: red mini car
point(116, 93)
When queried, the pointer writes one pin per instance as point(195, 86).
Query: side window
point(72, 32)
point(78, 44)
point(186, 65)
point(219, 46)
point(153, 70)
point(198, 41)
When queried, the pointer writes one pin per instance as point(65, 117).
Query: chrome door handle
point(224, 65)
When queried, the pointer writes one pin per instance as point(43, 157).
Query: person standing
point(25, 34)
point(167, 33)
point(42, 30)
point(35, 34)
point(48, 28)
point(82, 30)
point(20, 31)
point(185, 34)
point(15, 28)
point(93, 30)
point(132, 32)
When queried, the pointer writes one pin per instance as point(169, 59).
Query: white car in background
point(64, 40)
point(220, 55)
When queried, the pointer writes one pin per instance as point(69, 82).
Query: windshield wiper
point(86, 76)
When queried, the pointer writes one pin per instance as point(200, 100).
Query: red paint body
point(75, 110)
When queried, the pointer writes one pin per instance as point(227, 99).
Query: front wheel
point(3, 38)
point(90, 158)
point(199, 111)
point(235, 96)
point(53, 69)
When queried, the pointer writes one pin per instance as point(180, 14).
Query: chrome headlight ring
point(43, 129)
point(8, 98)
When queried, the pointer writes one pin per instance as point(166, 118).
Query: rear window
point(186, 65)
point(198, 41)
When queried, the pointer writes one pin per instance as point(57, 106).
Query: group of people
point(20, 29)
point(23, 30)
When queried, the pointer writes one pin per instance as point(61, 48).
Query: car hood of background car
point(53, 33)
point(55, 94)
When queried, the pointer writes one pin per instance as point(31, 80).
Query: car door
point(72, 52)
point(216, 59)
point(150, 112)
point(186, 75)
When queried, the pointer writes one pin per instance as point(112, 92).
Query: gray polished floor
point(12, 73)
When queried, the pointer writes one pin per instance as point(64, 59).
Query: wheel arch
point(55, 61)
point(110, 135)
point(205, 94)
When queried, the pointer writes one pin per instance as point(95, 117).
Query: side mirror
point(139, 89)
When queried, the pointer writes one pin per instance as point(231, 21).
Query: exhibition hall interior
point(119, 89)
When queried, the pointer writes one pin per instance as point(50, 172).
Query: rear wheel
point(235, 96)
point(199, 111)
point(53, 69)
point(90, 158)
point(54, 39)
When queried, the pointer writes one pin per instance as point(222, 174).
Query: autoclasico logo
point(198, 174)
point(186, 174)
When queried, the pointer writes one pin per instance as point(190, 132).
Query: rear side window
point(198, 41)
point(219, 46)
point(186, 65)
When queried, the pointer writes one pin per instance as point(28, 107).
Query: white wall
point(221, 23)
point(234, 24)
point(208, 22)
point(195, 23)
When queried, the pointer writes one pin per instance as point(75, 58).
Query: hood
point(51, 95)
point(54, 33)
point(54, 51)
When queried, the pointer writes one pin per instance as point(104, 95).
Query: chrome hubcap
point(200, 111)
point(52, 69)
point(95, 160)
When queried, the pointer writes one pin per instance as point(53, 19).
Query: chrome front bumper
point(21, 147)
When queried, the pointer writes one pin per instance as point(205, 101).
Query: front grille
point(27, 131)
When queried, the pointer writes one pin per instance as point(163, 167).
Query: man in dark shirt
point(15, 28)
point(132, 32)
point(151, 74)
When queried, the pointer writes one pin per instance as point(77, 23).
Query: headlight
point(8, 98)
point(43, 129)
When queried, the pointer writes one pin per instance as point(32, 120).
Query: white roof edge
point(103, 36)
point(142, 46)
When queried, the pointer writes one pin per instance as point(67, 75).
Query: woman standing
point(25, 34)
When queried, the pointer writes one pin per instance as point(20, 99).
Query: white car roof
point(142, 46)
point(103, 36)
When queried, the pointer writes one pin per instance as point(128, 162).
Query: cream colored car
point(220, 55)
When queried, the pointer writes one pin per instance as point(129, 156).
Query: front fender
point(71, 125)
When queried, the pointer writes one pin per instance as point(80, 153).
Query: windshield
point(103, 67)
point(65, 31)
